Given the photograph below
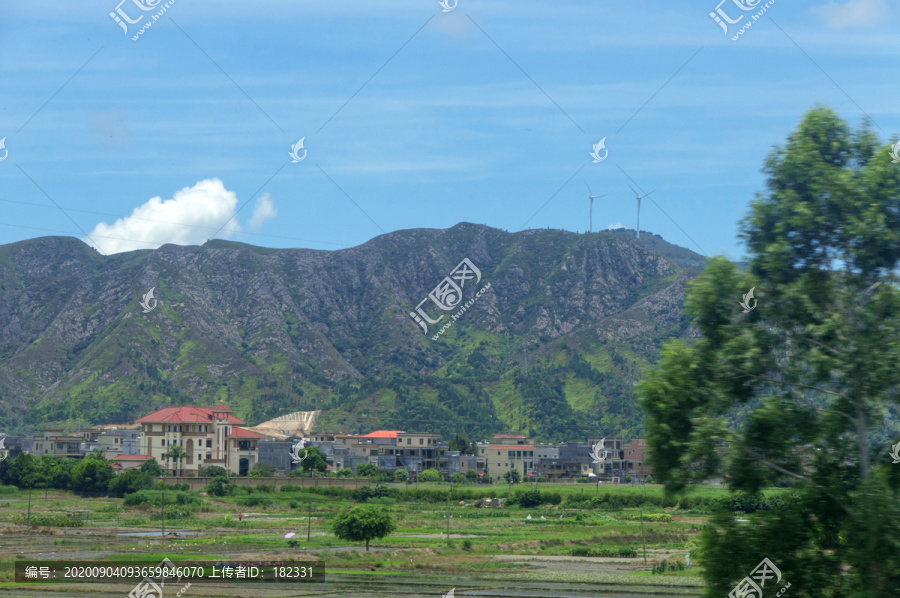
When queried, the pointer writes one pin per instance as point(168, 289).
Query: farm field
point(574, 548)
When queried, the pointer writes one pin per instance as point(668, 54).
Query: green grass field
point(482, 540)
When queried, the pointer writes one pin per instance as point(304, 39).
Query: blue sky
point(412, 117)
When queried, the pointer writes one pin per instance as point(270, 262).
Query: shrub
point(50, 520)
point(155, 497)
point(262, 469)
point(529, 499)
point(665, 566)
point(367, 493)
point(219, 486)
point(467, 545)
point(213, 471)
point(366, 470)
point(254, 501)
point(152, 467)
point(129, 482)
point(430, 475)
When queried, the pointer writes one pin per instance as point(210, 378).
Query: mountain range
point(549, 330)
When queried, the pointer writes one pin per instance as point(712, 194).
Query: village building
point(205, 436)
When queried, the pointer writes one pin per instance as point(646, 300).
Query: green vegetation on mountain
point(552, 349)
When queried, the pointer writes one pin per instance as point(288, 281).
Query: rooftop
point(187, 414)
point(382, 434)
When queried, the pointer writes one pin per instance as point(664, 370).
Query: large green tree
point(315, 459)
point(91, 476)
point(794, 385)
point(363, 523)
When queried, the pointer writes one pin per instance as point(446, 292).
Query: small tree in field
point(363, 523)
point(401, 475)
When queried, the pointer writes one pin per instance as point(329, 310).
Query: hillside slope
point(272, 331)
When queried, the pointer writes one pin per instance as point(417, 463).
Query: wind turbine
point(592, 198)
point(639, 198)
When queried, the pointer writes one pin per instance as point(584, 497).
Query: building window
point(199, 456)
point(421, 441)
point(208, 442)
point(164, 442)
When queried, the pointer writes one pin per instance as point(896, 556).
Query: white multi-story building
point(207, 436)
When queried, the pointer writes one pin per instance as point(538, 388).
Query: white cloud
point(615, 226)
point(853, 14)
point(189, 218)
point(264, 210)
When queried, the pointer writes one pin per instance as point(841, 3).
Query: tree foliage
point(430, 475)
point(799, 387)
point(151, 466)
point(91, 476)
point(129, 481)
point(363, 523)
point(366, 470)
point(315, 459)
point(512, 476)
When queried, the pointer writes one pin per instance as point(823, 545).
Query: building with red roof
point(204, 436)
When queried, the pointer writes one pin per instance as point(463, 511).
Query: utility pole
point(448, 518)
point(308, 519)
point(164, 509)
point(29, 504)
point(643, 544)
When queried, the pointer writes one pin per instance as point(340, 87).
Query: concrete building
point(58, 444)
point(277, 453)
point(508, 452)
point(208, 436)
point(635, 454)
